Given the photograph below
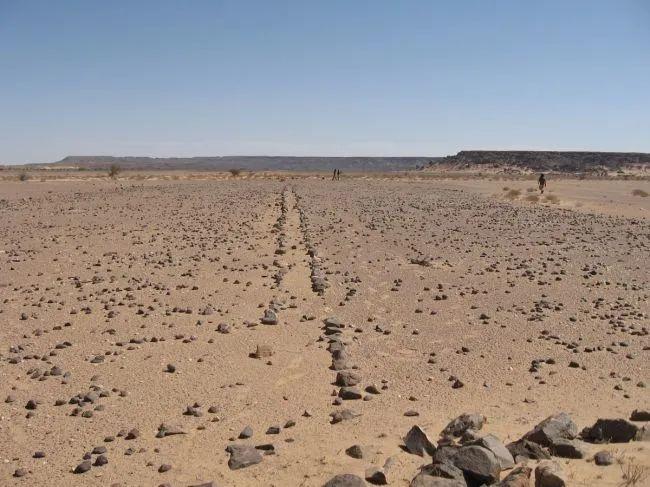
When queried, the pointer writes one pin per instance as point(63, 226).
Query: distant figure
point(334, 176)
point(338, 174)
point(542, 183)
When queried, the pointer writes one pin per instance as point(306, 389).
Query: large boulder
point(610, 431)
point(479, 465)
point(556, 427)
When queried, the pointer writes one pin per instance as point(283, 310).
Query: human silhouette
point(542, 183)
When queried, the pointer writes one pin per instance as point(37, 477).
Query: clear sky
point(329, 77)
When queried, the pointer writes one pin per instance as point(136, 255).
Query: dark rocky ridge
point(557, 161)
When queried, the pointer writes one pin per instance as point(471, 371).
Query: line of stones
point(318, 280)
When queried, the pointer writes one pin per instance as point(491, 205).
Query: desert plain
point(281, 331)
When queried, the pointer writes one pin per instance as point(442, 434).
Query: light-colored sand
point(123, 269)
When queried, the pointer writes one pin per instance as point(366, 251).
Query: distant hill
point(544, 161)
point(469, 160)
point(251, 163)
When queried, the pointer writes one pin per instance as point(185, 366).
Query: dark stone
point(610, 431)
point(478, 464)
point(549, 474)
point(522, 449)
point(424, 480)
point(464, 422)
point(417, 442)
point(345, 480)
point(83, 467)
point(568, 449)
point(518, 477)
point(603, 458)
point(558, 426)
point(640, 415)
point(347, 378)
point(242, 456)
point(500, 451)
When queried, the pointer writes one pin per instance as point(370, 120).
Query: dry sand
point(109, 282)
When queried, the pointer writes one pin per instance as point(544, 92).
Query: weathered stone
point(549, 474)
point(640, 415)
point(424, 480)
point(462, 423)
point(269, 318)
point(556, 427)
point(83, 467)
point(445, 454)
point(478, 464)
point(376, 476)
point(568, 449)
point(356, 451)
point(345, 480)
point(500, 451)
point(333, 322)
point(263, 351)
point(350, 393)
point(524, 449)
point(247, 432)
point(417, 442)
point(445, 469)
point(347, 378)
point(343, 415)
point(518, 477)
point(610, 431)
point(603, 458)
point(167, 430)
point(242, 456)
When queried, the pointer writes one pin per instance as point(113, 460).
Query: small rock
point(603, 458)
point(345, 480)
point(83, 467)
point(417, 442)
point(549, 474)
point(356, 451)
point(242, 456)
point(464, 422)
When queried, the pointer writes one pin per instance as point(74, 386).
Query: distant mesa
point(467, 160)
point(246, 163)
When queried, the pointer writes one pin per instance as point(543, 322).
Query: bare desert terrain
point(249, 331)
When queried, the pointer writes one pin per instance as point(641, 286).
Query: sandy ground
point(104, 284)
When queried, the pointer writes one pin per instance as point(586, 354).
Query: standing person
point(338, 174)
point(334, 176)
point(542, 183)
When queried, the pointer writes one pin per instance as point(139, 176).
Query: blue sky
point(335, 77)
